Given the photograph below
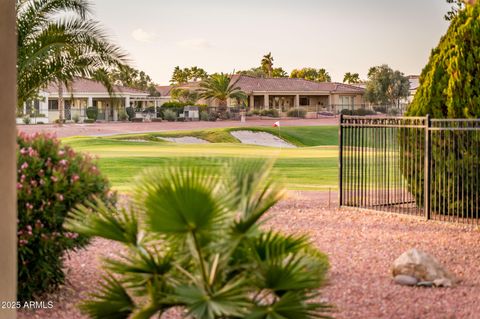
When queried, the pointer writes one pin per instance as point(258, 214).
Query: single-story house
point(83, 93)
point(285, 94)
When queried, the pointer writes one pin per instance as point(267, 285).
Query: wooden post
point(8, 105)
point(426, 171)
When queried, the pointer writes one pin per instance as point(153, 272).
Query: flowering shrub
point(52, 179)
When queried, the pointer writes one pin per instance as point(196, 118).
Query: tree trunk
point(61, 104)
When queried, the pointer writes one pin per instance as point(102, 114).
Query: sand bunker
point(185, 140)
point(260, 138)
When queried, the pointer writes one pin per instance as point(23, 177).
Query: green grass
point(303, 168)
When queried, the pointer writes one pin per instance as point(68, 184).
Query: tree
point(220, 87)
point(185, 95)
point(187, 74)
point(259, 73)
point(127, 76)
point(457, 6)
point(386, 86)
point(58, 41)
point(351, 78)
point(311, 74)
point(450, 88)
point(267, 64)
point(193, 240)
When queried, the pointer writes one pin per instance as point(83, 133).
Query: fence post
point(340, 161)
point(427, 177)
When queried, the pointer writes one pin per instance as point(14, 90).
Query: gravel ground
point(260, 138)
point(112, 128)
point(361, 246)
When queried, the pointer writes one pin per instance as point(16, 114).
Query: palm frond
point(99, 220)
point(111, 301)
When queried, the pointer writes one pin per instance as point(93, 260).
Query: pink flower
point(24, 166)
point(19, 186)
point(60, 197)
point(29, 206)
point(23, 151)
point(63, 162)
point(61, 153)
point(42, 182)
point(54, 179)
point(74, 178)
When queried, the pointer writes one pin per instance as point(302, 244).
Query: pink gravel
point(361, 247)
point(112, 128)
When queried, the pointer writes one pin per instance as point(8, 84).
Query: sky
point(224, 36)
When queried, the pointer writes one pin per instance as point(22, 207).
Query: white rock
point(405, 280)
point(423, 267)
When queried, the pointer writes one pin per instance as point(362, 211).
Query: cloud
point(143, 36)
point(197, 44)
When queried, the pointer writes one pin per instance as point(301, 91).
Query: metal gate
point(411, 165)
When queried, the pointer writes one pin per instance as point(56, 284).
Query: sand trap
point(136, 140)
point(185, 140)
point(260, 138)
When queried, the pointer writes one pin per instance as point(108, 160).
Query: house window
point(347, 102)
point(304, 101)
point(53, 105)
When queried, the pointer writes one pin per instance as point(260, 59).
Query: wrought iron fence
point(411, 165)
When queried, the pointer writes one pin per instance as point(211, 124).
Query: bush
point(76, 118)
point(204, 116)
point(92, 113)
point(27, 120)
point(170, 115)
point(88, 121)
point(270, 112)
point(205, 249)
point(130, 113)
point(380, 109)
point(174, 104)
point(298, 112)
point(52, 179)
point(122, 115)
point(358, 112)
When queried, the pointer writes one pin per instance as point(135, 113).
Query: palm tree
point(323, 76)
point(192, 239)
point(219, 87)
point(267, 64)
point(58, 41)
point(351, 78)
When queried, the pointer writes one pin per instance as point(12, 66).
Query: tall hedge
point(449, 88)
point(450, 82)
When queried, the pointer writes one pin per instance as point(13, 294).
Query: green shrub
point(92, 113)
point(174, 104)
point(76, 118)
point(363, 112)
point(51, 180)
point(449, 88)
point(204, 116)
point(297, 112)
point(122, 115)
point(27, 120)
point(380, 109)
point(130, 113)
point(204, 249)
point(270, 112)
point(170, 115)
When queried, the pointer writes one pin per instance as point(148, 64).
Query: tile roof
point(81, 85)
point(251, 84)
point(164, 90)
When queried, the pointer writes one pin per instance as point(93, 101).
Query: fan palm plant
point(58, 41)
point(193, 239)
point(220, 87)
